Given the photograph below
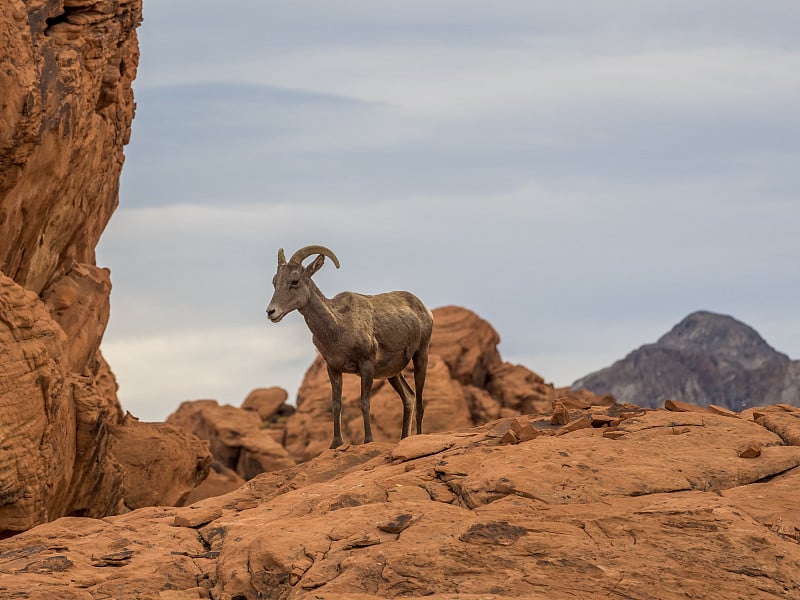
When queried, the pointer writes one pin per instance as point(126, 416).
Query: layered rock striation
point(705, 359)
point(66, 107)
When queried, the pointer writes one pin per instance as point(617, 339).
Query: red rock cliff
point(66, 107)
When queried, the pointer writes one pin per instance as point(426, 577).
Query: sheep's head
point(292, 282)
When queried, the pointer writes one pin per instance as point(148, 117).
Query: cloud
point(568, 276)
point(157, 372)
point(581, 174)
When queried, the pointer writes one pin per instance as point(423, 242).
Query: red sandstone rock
point(66, 106)
point(520, 389)
point(268, 402)
point(160, 464)
point(520, 430)
point(577, 515)
point(678, 406)
point(53, 423)
point(58, 432)
point(236, 436)
point(721, 410)
point(467, 343)
point(272, 408)
point(752, 450)
point(582, 398)
point(79, 302)
point(603, 420)
point(106, 385)
point(581, 422)
point(773, 503)
point(482, 406)
point(783, 423)
point(560, 414)
point(220, 480)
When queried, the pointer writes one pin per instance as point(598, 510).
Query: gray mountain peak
point(707, 358)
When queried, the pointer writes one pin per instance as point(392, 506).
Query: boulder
point(268, 403)
point(520, 390)
point(236, 437)
point(678, 406)
point(466, 343)
point(160, 464)
point(79, 302)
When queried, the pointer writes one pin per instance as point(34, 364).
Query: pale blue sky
point(583, 175)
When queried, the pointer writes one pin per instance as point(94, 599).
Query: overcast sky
point(581, 174)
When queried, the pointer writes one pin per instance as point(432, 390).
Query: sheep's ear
point(316, 265)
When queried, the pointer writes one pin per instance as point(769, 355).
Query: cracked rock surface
point(667, 509)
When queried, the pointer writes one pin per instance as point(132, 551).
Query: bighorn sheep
point(374, 337)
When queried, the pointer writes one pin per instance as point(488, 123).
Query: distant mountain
point(705, 359)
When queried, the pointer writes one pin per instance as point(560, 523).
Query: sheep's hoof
point(336, 443)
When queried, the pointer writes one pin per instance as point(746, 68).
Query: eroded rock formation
point(669, 506)
point(66, 107)
point(237, 437)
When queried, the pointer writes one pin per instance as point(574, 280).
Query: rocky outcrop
point(467, 384)
point(668, 507)
point(467, 344)
point(237, 438)
point(66, 448)
point(66, 110)
point(161, 465)
point(705, 359)
point(269, 403)
point(244, 442)
point(66, 106)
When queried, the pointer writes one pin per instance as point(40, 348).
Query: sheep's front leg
point(336, 406)
point(367, 373)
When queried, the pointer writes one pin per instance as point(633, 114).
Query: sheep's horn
point(302, 254)
point(281, 257)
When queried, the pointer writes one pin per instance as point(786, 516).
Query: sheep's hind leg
point(336, 406)
point(402, 388)
point(420, 370)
